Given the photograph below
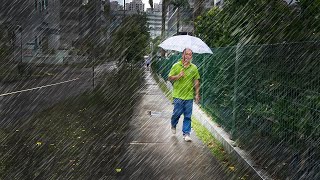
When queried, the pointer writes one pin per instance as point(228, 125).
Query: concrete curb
point(229, 145)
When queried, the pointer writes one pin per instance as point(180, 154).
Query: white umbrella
point(180, 42)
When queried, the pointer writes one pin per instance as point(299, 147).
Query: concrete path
point(153, 152)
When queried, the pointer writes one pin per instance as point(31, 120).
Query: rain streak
point(169, 89)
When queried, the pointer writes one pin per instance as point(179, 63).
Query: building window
point(39, 6)
point(35, 4)
point(45, 4)
point(36, 45)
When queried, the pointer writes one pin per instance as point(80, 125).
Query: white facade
point(135, 5)
point(154, 21)
point(157, 7)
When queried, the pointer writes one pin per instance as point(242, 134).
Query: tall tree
point(131, 39)
point(163, 18)
point(259, 21)
point(124, 8)
point(197, 8)
point(178, 4)
point(163, 22)
point(151, 4)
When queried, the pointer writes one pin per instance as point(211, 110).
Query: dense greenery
point(259, 22)
point(178, 5)
point(131, 39)
point(82, 137)
point(267, 95)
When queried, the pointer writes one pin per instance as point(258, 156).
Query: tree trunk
point(124, 8)
point(163, 19)
point(197, 10)
point(178, 20)
point(163, 23)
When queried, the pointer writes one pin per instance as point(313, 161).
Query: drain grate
point(159, 114)
point(143, 143)
point(154, 113)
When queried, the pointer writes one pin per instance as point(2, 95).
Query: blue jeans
point(182, 107)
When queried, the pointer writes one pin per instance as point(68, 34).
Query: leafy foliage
point(259, 22)
point(131, 39)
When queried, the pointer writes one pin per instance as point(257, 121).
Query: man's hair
point(185, 50)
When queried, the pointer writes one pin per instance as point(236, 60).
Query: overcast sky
point(146, 2)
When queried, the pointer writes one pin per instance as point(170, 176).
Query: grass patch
point(80, 138)
point(217, 150)
point(163, 87)
point(206, 137)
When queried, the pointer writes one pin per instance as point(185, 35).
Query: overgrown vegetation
point(80, 138)
point(266, 95)
point(131, 39)
point(259, 22)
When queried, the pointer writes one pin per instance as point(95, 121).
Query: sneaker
point(187, 138)
point(173, 130)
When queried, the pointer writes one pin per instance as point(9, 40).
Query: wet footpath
point(153, 152)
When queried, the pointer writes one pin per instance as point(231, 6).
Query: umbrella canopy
point(180, 42)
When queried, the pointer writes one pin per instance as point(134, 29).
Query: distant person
point(186, 87)
point(148, 61)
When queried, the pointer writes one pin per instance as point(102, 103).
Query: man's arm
point(197, 88)
point(176, 77)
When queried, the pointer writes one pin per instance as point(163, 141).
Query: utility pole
point(19, 28)
point(124, 8)
point(20, 66)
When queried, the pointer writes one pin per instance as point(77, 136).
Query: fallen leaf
point(231, 168)
point(39, 143)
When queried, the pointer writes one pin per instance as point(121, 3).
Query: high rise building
point(135, 5)
point(154, 20)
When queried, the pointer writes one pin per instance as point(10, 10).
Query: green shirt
point(183, 88)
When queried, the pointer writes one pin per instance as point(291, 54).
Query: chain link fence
point(268, 98)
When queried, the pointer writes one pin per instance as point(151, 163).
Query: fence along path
point(268, 98)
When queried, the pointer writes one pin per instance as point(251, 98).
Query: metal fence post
point(93, 73)
point(204, 69)
point(235, 93)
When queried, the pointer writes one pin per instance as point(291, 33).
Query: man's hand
point(197, 99)
point(176, 77)
point(181, 74)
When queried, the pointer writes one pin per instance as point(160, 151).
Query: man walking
point(186, 86)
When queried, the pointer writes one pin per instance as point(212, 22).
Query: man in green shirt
point(186, 86)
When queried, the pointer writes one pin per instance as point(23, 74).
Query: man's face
point(187, 56)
